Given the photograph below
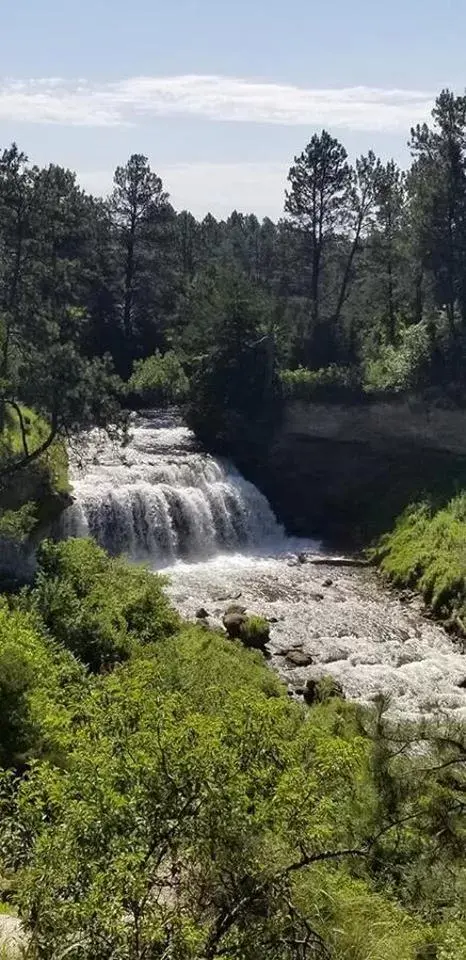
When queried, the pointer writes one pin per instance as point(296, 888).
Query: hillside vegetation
point(161, 795)
point(427, 551)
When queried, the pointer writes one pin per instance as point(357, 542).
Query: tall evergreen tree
point(139, 208)
point(317, 201)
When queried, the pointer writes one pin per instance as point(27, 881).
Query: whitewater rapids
point(163, 502)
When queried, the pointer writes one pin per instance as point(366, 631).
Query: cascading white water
point(162, 500)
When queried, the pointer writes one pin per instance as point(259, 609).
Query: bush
point(331, 383)
point(198, 796)
point(96, 606)
point(33, 679)
point(158, 381)
point(322, 690)
point(401, 368)
point(182, 805)
point(18, 524)
point(255, 632)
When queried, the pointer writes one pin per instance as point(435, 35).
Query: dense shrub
point(97, 606)
point(18, 524)
point(401, 368)
point(331, 383)
point(255, 632)
point(34, 678)
point(181, 805)
point(158, 381)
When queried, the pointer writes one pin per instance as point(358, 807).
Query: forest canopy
point(361, 281)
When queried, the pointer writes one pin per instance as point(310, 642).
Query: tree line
point(364, 276)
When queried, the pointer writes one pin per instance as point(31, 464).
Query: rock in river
point(298, 658)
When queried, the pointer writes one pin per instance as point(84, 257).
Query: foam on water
point(161, 500)
point(197, 518)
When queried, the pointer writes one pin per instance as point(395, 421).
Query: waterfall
point(160, 499)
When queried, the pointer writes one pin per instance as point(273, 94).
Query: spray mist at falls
point(162, 500)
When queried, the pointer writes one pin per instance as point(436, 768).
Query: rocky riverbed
point(326, 619)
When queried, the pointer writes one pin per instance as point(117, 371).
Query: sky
point(220, 95)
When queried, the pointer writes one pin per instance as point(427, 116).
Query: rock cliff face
point(346, 472)
point(409, 423)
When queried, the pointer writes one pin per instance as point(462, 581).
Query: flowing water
point(196, 518)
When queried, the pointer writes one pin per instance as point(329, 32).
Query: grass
point(427, 552)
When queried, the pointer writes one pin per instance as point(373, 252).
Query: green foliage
point(427, 551)
point(400, 368)
point(158, 381)
point(323, 689)
point(182, 806)
point(35, 684)
point(18, 524)
point(235, 391)
point(362, 924)
point(96, 606)
point(255, 632)
point(51, 470)
point(331, 383)
point(194, 800)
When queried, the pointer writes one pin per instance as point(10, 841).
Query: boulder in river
point(233, 622)
point(235, 608)
point(223, 599)
point(297, 658)
point(322, 689)
point(284, 651)
point(202, 614)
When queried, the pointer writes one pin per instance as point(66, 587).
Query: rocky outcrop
point(346, 473)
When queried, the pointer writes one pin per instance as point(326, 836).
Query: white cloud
point(217, 188)
point(213, 97)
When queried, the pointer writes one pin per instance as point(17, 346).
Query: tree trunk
point(346, 276)
point(129, 280)
point(28, 456)
point(390, 299)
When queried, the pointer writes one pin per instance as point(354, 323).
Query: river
point(162, 502)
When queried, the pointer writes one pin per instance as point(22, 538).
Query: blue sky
point(220, 95)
